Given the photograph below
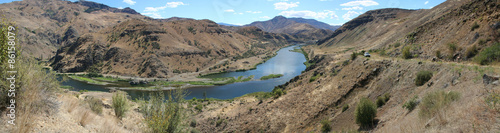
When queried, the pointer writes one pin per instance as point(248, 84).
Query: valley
point(429, 70)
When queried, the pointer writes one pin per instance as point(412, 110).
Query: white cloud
point(130, 2)
point(360, 2)
point(153, 14)
point(353, 8)
point(310, 14)
point(120, 7)
point(169, 5)
point(349, 15)
point(174, 4)
point(253, 12)
point(153, 11)
point(426, 2)
point(285, 6)
point(265, 17)
point(240, 13)
point(229, 10)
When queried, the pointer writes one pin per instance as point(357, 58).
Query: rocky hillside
point(42, 24)
point(458, 96)
point(452, 29)
point(300, 28)
point(86, 36)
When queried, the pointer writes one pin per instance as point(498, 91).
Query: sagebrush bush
point(474, 26)
point(325, 126)
point(381, 100)
point(423, 77)
point(164, 115)
point(120, 104)
point(365, 113)
point(345, 107)
point(488, 55)
point(411, 104)
point(34, 87)
point(406, 52)
point(471, 52)
point(354, 55)
point(434, 102)
point(95, 105)
point(452, 47)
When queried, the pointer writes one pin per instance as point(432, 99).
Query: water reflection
point(288, 63)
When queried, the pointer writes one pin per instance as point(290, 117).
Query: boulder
point(487, 79)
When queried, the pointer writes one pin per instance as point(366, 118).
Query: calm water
point(290, 64)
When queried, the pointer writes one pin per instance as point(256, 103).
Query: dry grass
point(86, 118)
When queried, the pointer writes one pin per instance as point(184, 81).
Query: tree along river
point(286, 62)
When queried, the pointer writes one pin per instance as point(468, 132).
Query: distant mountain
point(315, 23)
point(226, 24)
point(86, 36)
point(305, 29)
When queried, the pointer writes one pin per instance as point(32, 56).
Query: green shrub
point(381, 100)
point(164, 115)
point(493, 100)
point(406, 52)
point(488, 55)
point(325, 126)
point(397, 44)
point(471, 52)
point(434, 102)
point(474, 26)
point(192, 123)
point(120, 104)
point(423, 77)
point(354, 55)
point(438, 53)
point(411, 104)
point(313, 78)
point(95, 105)
point(199, 107)
point(345, 107)
point(365, 113)
point(452, 47)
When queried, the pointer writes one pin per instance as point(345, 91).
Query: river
point(288, 63)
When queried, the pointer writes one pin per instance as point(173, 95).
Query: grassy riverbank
point(270, 76)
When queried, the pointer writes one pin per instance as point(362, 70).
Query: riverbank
point(183, 80)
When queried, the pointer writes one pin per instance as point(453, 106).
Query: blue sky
point(240, 12)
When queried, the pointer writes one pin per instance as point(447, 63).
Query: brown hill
point(152, 48)
point(280, 24)
point(88, 36)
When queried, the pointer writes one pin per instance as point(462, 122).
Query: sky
point(241, 12)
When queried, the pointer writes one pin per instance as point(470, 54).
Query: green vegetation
point(365, 113)
point(313, 78)
point(325, 126)
point(120, 104)
point(109, 79)
point(406, 52)
point(270, 76)
point(493, 100)
point(474, 26)
point(438, 54)
point(95, 104)
point(452, 47)
point(471, 51)
point(411, 104)
point(381, 100)
point(85, 79)
point(301, 50)
point(345, 107)
point(164, 115)
point(423, 77)
point(434, 102)
point(488, 55)
point(397, 44)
